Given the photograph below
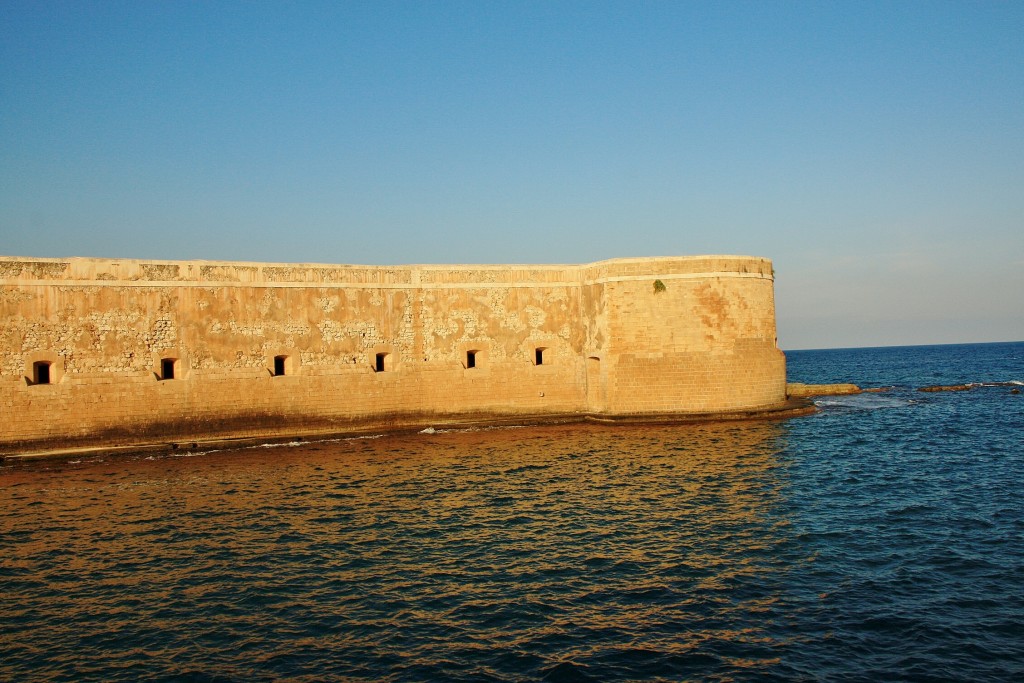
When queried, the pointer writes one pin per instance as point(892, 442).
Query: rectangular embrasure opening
point(41, 372)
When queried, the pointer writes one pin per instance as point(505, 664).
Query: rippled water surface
point(881, 539)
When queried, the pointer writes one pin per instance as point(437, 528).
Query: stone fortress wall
point(103, 352)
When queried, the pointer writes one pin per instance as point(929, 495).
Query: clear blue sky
point(874, 151)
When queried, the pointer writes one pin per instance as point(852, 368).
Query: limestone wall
point(260, 349)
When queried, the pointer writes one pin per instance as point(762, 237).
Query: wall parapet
point(126, 272)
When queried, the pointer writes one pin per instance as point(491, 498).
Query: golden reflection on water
point(570, 543)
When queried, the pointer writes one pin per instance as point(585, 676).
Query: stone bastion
point(101, 352)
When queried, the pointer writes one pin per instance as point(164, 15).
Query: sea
point(880, 539)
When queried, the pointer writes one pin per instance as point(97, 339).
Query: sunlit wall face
point(144, 352)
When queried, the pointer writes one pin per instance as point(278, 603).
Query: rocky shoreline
point(801, 390)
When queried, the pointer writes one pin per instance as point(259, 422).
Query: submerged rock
point(947, 387)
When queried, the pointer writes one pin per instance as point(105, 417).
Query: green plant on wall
point(659, 286)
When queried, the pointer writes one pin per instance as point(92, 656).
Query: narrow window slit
point(470, 359)
point(380, 361)
point(41, 372)
point(167, 368)
point(279, 365)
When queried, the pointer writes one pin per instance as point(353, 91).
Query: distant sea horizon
point(901, 346)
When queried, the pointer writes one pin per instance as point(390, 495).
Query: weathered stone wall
point(611, 341)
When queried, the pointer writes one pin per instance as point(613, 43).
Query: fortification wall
point(705, 342)
point(263, 349)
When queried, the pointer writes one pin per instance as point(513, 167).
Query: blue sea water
point(881, 539)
